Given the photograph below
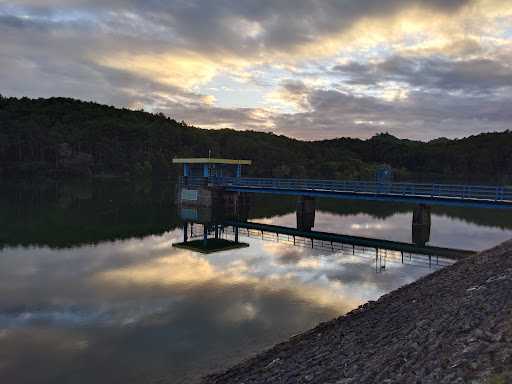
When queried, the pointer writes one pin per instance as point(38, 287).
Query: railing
point(469, 192)
point(379, 254)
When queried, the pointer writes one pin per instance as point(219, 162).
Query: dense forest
point(60, 137)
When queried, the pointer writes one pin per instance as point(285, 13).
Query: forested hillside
point(60, 137)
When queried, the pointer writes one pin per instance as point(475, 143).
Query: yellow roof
point(206, 160)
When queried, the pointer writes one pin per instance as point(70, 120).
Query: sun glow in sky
point(310, 69)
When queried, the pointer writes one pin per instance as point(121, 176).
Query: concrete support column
point(421, 221)
point(305, 213)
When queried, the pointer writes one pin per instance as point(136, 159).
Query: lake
point(92, 289)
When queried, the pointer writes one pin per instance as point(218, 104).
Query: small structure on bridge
point(196, 187)
point(384, 174)
point(204, 202)
point(211, 167)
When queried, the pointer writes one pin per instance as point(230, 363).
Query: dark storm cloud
point(475, 75)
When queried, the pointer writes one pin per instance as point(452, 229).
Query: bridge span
point(478, 196)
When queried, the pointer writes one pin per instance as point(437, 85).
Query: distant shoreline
point(62, 138)
point(452, 326)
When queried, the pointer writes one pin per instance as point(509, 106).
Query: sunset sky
point(309, 69)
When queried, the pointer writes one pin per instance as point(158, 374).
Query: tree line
point(65, 138)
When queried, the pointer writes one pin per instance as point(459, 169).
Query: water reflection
point(165, 312)
point(93, 291)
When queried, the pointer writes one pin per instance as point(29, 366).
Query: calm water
point(91, 289)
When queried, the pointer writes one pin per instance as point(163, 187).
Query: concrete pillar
point(421, 219)
point(305, 213)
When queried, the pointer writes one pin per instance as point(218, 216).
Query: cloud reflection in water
point(139, 310)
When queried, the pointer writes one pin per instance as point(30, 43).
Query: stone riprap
point(452, 326)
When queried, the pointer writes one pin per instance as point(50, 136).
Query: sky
point(309, 69)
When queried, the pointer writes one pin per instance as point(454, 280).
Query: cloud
point(479, 75)
point(242, 26)
point(385, 61)
point(291, 93)
point(422, 115)
point(177, 69)
point(199, 37)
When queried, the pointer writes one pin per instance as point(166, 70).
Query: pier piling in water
point(306, 206)
point(421, 220)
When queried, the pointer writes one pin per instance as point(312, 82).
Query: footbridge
point(478, 196)
point(211, 190)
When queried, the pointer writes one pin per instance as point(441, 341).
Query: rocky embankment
point(453, 326)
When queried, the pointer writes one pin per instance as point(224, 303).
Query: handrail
point(355, 240)
point(433, 190)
